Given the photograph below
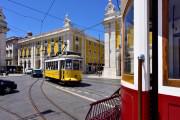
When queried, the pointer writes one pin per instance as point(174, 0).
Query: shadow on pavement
point(70, 84)
point(12, 92)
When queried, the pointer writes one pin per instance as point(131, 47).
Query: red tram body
point(151, 36)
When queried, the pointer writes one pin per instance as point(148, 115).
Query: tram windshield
point(73, 64)
point(76, 65)
point(68, 64)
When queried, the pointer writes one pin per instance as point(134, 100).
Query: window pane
point(129, 42)
point(174, 39)
point(68, 64)
point(76, 65)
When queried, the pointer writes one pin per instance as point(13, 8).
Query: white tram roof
point(64, 57)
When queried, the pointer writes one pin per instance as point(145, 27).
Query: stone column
point(2, 49)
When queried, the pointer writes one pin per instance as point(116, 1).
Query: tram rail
point(54, 104)
point(10, 112)
point(33, 102)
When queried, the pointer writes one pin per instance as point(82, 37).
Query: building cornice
point(47, 34)
point(56, 32)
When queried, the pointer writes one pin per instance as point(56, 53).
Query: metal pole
point(99, 56)
point(140, 61)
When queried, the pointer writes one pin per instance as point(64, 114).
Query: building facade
point(33, 50)
point(112, 41)
point(3, 30)
point(12, 51)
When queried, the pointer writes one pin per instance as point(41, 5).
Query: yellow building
point(34, 50)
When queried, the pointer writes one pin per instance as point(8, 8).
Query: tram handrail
point(140, 62)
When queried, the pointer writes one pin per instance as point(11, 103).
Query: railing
point(106, 109)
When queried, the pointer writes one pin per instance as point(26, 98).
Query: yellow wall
point(49, 47)
point(130, 37)
point(150, 39)
point(93, 56)
point(55, 45)
point(79, 45)
point(27, 52)
point(117, 34)
point(23, 52)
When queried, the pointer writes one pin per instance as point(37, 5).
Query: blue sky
point(83, 13)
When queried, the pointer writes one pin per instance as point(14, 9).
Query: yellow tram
point(67, 68)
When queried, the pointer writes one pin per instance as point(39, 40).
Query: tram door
point(62, 68)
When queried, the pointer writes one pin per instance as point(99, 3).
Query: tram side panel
point(169, 107)
point(129, 108)
point(55, 74)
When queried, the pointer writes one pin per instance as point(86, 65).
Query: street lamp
point(44, 51)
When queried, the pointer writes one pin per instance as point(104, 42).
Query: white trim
point(128, 85)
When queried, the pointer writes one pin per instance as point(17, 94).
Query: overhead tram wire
point(52, 3)
point(19, 14)
point(50, 15)
point(46, 14)
point(17, 28)
point(39, 11)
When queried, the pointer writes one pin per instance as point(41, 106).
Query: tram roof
point(64, 57)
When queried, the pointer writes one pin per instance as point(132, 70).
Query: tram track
point(54, 104)
point(35, 107)
point(12, 113)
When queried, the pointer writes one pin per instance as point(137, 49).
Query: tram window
point(68, 64)
point(174, 39)
point(48, 65)
point(171, 42)
point(76, 65)
point(80, 65)
point(129, 41)
point(56, 65)
point(52, 65)
point(62, 64)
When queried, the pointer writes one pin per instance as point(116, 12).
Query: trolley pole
point(43, 61)
point(140, 62)
point(99, 56)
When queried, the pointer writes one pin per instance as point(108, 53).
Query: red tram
point(150, 60)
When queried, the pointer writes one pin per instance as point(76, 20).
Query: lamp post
point(43, 61)
point(99, 55)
